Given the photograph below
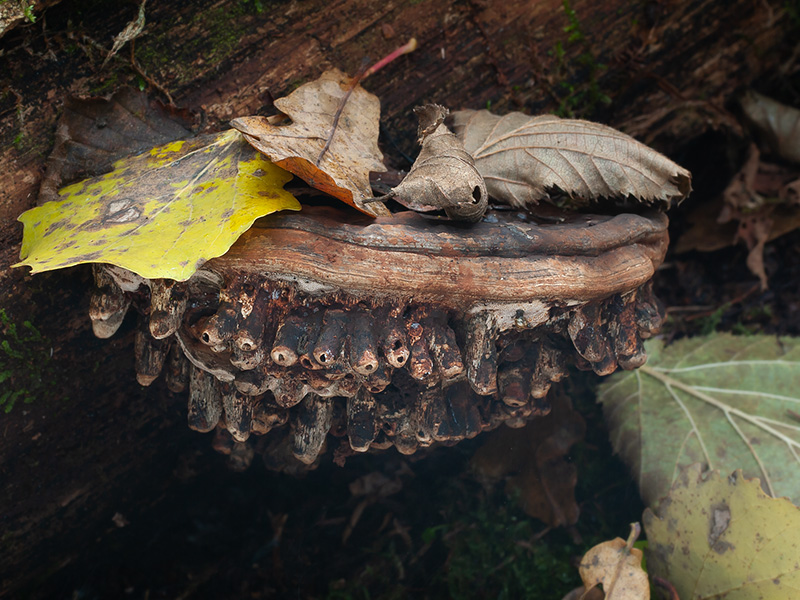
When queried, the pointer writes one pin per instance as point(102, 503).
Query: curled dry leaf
point(747, 211)
point(742, 192)
point(343, 169)
point(747, 206)
point(618, 567)
point(706, 233)
point(444, 176)
point(777, 123)
point(521, 157)
point(722, 537)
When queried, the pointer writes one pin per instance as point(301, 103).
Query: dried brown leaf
point(749, 200)
point(777, 123)
point(706, 233)
point(343, 169)
point(755, 230)
point(618, 567)
point(532, 460)
point(747, 211)
point(740, 193)
point(93, 133)
point(444, 176)
point(521, 157)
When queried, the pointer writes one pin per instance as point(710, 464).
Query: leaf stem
point(353, 83)
point(409, 46)
point(362, 74)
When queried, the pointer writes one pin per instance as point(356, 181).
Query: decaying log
point(150, 354)
point(205, 400)
point(625, 249)
point(311, 427)
point(481, 352)
point(669, 70)
point(167, 305)
point(362, 426)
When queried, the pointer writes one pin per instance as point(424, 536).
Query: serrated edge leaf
point(507, 179)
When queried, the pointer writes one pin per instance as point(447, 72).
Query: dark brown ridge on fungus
point(402, 331)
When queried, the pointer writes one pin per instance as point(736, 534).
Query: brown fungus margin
point(401, 331)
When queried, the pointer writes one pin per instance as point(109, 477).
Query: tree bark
point(92, 441)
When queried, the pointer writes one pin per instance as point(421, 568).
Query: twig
point(362, 74)
point(353, 83)
point(694, 308)
point(666, 585)
point(409, 46)
point(725, 306)
point(149, 80)
point(636, 531)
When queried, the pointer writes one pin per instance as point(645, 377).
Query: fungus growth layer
point(317, 328)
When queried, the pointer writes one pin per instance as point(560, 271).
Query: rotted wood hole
point(319, 331)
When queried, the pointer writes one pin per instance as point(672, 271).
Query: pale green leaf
point(723, 401)
point(160, 214)
point(722, 537)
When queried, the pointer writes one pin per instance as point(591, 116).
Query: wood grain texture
point(504, 260)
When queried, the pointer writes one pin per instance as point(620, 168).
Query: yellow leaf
point(723, 537)
point(160, 214)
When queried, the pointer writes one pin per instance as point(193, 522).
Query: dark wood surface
point(93, 443)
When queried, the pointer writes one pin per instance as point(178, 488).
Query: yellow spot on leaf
point(159, 214)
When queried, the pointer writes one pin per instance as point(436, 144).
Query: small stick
point(666, 585)
point(353, 83)
point(410, 46)
point(149, 80)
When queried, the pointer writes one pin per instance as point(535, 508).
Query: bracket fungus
point(399, 331)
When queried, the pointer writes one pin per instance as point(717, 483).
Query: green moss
point(256, 6)
point(294, 84)
point(160, 54)
point(24, 362)
point(477, 544)
point(494, 548)
point(578, 92)
point(108, 85)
